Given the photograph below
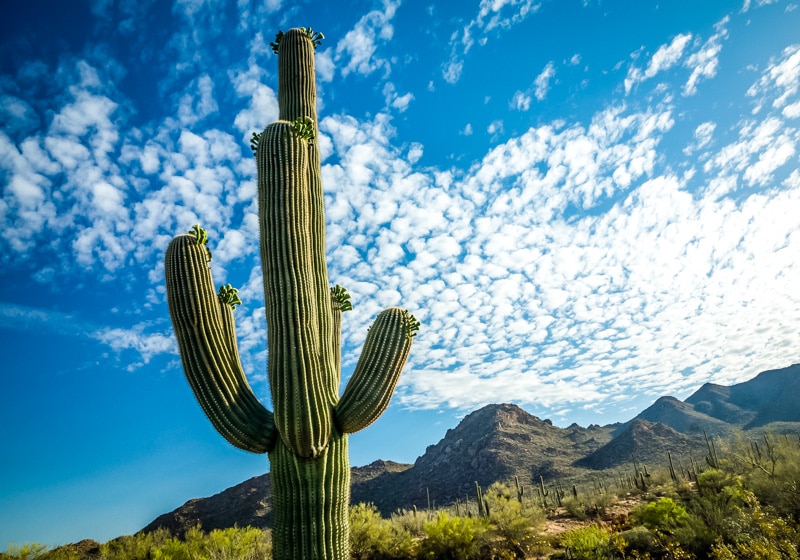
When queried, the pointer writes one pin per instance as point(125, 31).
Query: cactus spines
point(204, 329)
point(367, 393)
point(306, 434)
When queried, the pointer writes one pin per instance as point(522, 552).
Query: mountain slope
point(496, 442)
point(248, 503)
point(501, 441)
point(771, 396)
point(683, 417)
point(643, 442)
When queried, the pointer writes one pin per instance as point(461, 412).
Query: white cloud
point(195, 107)
point(781, 81)
point(452, 71)
point(542, 81)
point(521, 101)
point(146, 345)
point(667, 56)
point(704, 62)
point(495, 127)
point(395, 100)
point(355, 52)
point(702, 137)
point(492, 15)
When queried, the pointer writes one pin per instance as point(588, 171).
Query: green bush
point(591, 543)
point(662, 515)
point(576, 507)
point(410, 522)
point(453, 538)
point(514, 524)
point(134, 547)
point(237, 544)
point(220, 544)
point(640, 540)
point(27, 551)
point(370, 534)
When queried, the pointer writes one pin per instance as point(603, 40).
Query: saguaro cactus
point(306, 435)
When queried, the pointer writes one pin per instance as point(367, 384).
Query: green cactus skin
point(204, 328)
point(306, 435)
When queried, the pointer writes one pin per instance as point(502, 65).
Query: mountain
point(248, 503)
point(683, 417)
point(245, 504)
point(501, 441)
point(769, 397)
point(496, 442)
point(642, 441)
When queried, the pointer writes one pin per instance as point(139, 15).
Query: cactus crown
point(412, 325)
point(315, 36)
point(229, 295)
point(304, 128)
point(254, 140)
point(202, 238)
point(341, 298)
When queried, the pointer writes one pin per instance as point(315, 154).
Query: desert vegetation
point(740, 501)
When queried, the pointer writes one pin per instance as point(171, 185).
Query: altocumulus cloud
point(569, 267)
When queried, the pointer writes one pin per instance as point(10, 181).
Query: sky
point(588, 204)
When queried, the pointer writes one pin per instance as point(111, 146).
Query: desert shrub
point(409, 521)
point(576, 507)
point(514, 523)
point(591, 543)
point(27, 551)
point(774, 475)
point(588, 505)
point(453, 538)
point(663, 514)
point(172, 549)
point(369, 532)
point(220, 544)
point(600, 502)
point(134, 547)
point(640, 540)
point(237, 544)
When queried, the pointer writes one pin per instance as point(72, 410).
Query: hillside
point(769, 397)
point(500, 441)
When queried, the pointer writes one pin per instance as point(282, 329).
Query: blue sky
point(588, 204)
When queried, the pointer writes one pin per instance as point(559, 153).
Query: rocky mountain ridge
point(501, 441)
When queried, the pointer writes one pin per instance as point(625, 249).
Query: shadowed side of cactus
point(306, 435)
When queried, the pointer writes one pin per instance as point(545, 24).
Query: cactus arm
point(204, 327)
point(370, 388)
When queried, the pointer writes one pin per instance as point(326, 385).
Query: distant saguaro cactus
point(306, 436)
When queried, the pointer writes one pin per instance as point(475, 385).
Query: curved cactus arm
point(370, 388)
point(204, 327)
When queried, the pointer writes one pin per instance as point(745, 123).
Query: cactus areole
point(306, 434)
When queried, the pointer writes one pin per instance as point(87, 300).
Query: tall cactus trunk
point(310, 500)
point(306, 436)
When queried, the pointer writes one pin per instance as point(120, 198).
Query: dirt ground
point(614, 516)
